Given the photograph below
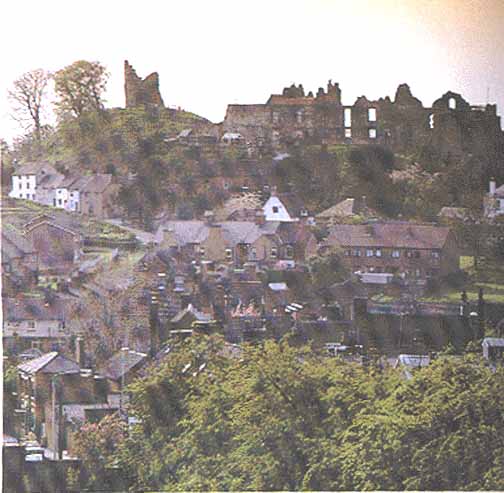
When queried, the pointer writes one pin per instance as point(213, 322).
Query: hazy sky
point(213, 52)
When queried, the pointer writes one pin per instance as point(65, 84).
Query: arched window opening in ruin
point(372, 133)
point(452, 103)
point(299, 116)
point(348, 117)
point(348, 133)
point(372, 114)
point(431, 121)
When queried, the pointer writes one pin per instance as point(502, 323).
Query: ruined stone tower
point(140, 91)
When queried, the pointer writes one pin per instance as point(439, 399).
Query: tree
point(80, 86)
point(28, 97)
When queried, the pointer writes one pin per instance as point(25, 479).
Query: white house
point(27, 178)
point(494, 200)
point(275, 210)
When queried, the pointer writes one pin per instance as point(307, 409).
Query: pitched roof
point(199, 316)
point(50, 363)
point(50, 180)
point(34, 309)
point(122, 363)
point(33, 168)
point(14, 245)
point(388, 235)
point(234, 232)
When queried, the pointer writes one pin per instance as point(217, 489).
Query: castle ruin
point(141, 92)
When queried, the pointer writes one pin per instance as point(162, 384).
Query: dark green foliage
point(283, 418)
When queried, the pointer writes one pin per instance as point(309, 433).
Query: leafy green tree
point(79, 87)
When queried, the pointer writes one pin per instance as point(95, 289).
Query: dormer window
point(275, 209)
point(229, 253)
point(274, 252)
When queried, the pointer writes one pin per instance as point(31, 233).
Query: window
point(60, 201)
point(396, 253)
point(289, 251)
point(378, 252)
point(253, 253)
point(202, 251)
point(369, 253)
point(275, 209)
point(348, 117)
point(372, 133)
point(431, 121)
point(356, 253)
point(347, 253)
point(31, 324)
point(299, 116)
point(372, 114)
point(229, 253)
point(54, 202)
point(36, 345)
point(27, 185)
point(348, 133)
point(452, 103)
point(274, 252)
point(435, 255)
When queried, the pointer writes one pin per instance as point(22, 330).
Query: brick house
point(97, 195)
point(411, 250)
point(58, 248)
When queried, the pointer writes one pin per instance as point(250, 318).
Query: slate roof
point(32, 168)
point(14, 245)
point(50, 181)
point(493, 341)
point(199, 316)
point(499, 192)
point(122, 363)
point(234, 232)
point(50, 363)
point(388, 235)
point(33, 309)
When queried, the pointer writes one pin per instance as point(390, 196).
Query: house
point(42, 382)
point(53, 391)
point(96, 195)
point(190, 317)
point(122, 368)
point(493, 349)
point(412, 251)
point(27, 178)
point(19, 262)
point(32, 323)
point(275, 210)
point(58, 248)
point(493, 203)
point(227, 241)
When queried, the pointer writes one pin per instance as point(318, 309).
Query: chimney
point(209, 217)
point(260, 218)
point(492, 187)
point(80, 354)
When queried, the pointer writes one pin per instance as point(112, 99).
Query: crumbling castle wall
point(141, 92)
point(452, 126)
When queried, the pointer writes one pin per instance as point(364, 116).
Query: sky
point(210, 53)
